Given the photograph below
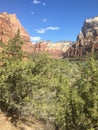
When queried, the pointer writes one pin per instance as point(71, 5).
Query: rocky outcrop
point(90, 27)
point(9, 25)
point(56, 50)
point(89, 30)
point(87, 40)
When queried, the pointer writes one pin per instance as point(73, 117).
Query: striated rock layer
point(56, 50)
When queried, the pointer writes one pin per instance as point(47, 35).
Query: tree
point(88, 91)
point(13, 50)
point(11, 75)
point(16, 87)
point(53, 98)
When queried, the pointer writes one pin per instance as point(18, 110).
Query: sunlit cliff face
point(9, 25)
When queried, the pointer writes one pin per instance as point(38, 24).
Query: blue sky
point(54, 20)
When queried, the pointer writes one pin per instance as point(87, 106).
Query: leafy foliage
point(60, 92)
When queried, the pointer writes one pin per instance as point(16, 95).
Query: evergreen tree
point(88, 91)
point(13, 50)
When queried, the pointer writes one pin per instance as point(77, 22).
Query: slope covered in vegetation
point(59, 92)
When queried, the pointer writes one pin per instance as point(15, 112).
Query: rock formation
point(9, 25)
point(90, 27)
point(54, 49)
point(87, 40)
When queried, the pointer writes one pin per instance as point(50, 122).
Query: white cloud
point(32, 12)
point(35, 39)
point(44, 3)
point(44, 20)
point(36, 1)
point(52, 28)
point(43, 30)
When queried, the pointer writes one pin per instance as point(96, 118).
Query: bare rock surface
point(54, 49)
point(9, 25)
point(87, 40)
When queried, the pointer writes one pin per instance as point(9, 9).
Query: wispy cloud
point(43, 30)
point(43, 3)
point(32, 13)
point(44, 20)
point(36, 1)
point(52, 28)
point(35, 39)
point(39, 2)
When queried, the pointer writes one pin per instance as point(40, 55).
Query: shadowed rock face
point(9, 25)
point(87, 40)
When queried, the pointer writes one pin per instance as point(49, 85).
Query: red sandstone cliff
point(9, 25)
point(56, 50)
point(87, 40)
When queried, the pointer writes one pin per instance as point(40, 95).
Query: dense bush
point(60, 92)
